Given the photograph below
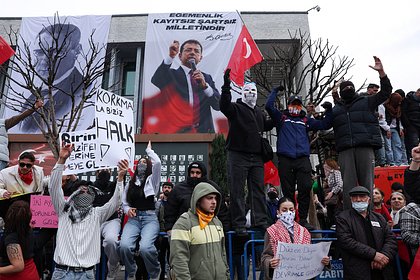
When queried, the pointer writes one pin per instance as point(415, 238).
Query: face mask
point(249, 92)
point(83, 200)
point(193, 181)
point(294, 110)
point(348, 94)
point(272, 195)
point(360, 206)
point(141, 168)
point(287, 218)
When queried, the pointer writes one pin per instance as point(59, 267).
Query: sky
point(361, 29)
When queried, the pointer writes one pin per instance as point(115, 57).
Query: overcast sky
point(360, 28)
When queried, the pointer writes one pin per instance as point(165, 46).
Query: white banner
point(74, 33)
point(114, 120)
point(83, 157)
point(168, 105)
point(300, 261)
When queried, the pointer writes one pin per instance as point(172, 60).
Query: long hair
point(134, 192)
point(18, 218)
point(332, 163)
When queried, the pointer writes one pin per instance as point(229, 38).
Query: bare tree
point(304, 66)
point(40, 71)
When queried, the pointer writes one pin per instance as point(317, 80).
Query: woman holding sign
point(16, 248)
point(139, 206)
point(286, 230)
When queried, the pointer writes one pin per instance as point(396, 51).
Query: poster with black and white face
point(67, 39)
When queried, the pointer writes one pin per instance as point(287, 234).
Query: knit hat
point(345, 84)
point(294, 98)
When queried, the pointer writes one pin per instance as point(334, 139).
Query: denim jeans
point(146, 225)
point(246, 170)
point(110, 231)
point(393, 148)
point(3, 164)
point(62, 274)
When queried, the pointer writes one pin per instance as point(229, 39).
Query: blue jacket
point(292, 132)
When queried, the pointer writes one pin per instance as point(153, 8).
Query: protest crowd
point(160, 230)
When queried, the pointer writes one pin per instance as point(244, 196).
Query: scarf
point(26, 178)
point(203, 218)
point(279, 233)
point(393, 105)
point(384, 212)
point(79, 204)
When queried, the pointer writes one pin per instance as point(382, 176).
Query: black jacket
point(244, 133)
point(356, 124)
point(410, 109)
point(179, 201)
point(357, 254)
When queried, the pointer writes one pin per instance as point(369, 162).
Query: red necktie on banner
point(245, 55)
point(6, 51)
point(196, 101)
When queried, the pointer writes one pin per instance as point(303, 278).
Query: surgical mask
point(287, 218)
point(360, 206)
point(249, 92)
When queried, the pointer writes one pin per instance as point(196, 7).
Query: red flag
point(245, 55)
point(5, 51)
point(271, 175)
point(414, 273)
point(166, 112)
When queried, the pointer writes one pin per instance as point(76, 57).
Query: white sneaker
point(112, 272)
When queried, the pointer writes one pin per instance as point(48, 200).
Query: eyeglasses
point(28, 165)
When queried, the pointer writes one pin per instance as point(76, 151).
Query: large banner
point(37, 46)
point(175, 99)
point(111, 140)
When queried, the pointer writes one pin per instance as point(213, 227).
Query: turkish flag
point(271, 175)
point(5, 51)
point(166, 113)
point(245, 55)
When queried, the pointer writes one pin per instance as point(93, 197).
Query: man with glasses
point(25, 177)
point(357, 133)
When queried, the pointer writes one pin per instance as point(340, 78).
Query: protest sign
point(335, 273)
point(300, 261)
point(83, 157)
point(43, 213)
point(114, 120)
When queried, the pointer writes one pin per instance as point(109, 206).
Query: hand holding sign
point(274, 262)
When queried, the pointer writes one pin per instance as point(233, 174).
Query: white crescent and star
point(248, 48)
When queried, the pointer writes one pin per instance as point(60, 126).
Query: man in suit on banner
point(193, 86)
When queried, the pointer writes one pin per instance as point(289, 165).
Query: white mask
point(249, 92)
point(287, 218)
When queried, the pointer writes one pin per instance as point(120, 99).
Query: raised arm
point(111, 206)
point(156, 168)
point(11, 122)
point(274, 113)
point(54, 187)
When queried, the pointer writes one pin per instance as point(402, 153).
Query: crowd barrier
point(248, 257)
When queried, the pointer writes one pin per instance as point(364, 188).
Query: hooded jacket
point(198, 253)
point(410, 109)
point(179, 199)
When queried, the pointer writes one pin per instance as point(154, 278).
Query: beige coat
point(11, 181)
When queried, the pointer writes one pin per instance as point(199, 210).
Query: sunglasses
point(28, 165)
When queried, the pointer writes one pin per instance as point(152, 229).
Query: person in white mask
point(286, 230)
point(365, 238)
point(245, 164)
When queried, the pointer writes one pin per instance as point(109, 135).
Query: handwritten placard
point(43, 213)
point(300, 261)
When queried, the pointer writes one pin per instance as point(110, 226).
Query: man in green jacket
point(197, 239)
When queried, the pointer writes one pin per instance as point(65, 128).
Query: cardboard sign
point(43, 212)
point(300, 261)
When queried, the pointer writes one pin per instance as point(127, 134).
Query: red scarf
point(278, 233)
point(26, 178)
point(384, 212)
